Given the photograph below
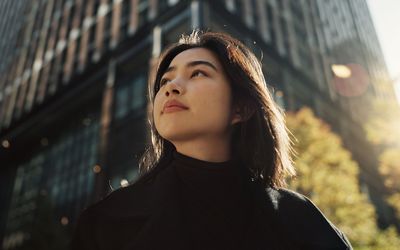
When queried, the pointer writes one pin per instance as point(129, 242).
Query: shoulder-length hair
point(261, 140)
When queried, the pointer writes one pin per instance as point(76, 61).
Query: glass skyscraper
point(73, 81)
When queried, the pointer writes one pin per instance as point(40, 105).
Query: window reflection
point(57, 180)
point(139, 92)
point(122, 102)
point(143, 8)
point(130, 96)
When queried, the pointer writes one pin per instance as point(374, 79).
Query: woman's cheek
point(156, 111)
point(157, 106)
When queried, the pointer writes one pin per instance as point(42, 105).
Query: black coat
point(147, 215)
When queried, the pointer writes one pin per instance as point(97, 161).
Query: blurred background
point(73, 81)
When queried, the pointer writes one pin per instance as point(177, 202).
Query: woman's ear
point(237, 117)
point(242, 113)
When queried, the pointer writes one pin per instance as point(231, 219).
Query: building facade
point(73, 91)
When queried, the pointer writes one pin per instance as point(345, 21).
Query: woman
point(214, 175)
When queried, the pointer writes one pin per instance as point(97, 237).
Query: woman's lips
point(171, 109)
point(173, 106)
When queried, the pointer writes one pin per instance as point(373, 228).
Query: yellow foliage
point(383, 126)
point(328, 175)
point(385, 240)
point(394, 201)
point(383, 129)
point(390, 168)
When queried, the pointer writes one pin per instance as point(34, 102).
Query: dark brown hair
point(261, 140)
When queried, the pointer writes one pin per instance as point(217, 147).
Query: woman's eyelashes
point(195, 73)
point(163, 81)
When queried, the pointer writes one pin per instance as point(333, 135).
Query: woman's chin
point(174, 137)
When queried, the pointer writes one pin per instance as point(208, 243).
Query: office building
point(74, 79)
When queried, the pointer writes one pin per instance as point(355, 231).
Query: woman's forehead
point(195, 54)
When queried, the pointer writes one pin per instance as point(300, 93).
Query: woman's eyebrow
point(192, 64)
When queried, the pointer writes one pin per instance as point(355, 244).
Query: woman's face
point(194, 78)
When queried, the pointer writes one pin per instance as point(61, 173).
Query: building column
point(102, 171)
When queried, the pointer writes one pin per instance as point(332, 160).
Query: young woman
point(214, 175)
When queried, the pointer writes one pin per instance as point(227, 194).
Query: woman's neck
point(206, 150)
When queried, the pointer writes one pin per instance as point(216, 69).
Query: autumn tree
point(327, 174)
point(383, 130)
point(383, 126)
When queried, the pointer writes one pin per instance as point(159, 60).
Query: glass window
point(162, 5)
point(90, 181)
point(126, 6)
point(93, 149)
point(92, 159)
point(173, 2)
point(139, 92)
point(81, 182)
point(122, 98)
point(71, 189)
point(271, 24)
point(256, 17)
point(115, 182)
point(143, 10)
point(55, 190)
point(61, 197)
point(133, 174)
point(239, 7)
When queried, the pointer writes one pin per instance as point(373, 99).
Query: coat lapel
point(264, 230)
point(164, 226)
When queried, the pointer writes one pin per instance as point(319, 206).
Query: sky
point(386, 18)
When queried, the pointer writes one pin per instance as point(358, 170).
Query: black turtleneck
point(212, 202)
point(194, 204)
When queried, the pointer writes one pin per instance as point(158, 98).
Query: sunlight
point(341, 70)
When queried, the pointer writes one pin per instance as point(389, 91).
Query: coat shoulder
point(304, 221)
point(113, 220)
point(123, 201)
point(133, 199)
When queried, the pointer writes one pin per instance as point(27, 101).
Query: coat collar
point(156, 198)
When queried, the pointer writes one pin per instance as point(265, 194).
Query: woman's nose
point(174, 87)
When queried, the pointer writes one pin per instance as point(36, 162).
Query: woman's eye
point(198, 73)
point(163, 81)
